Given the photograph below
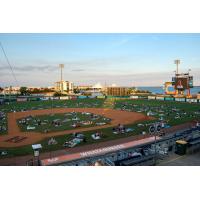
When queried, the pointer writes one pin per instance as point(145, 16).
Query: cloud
point(30, 68)
point(132, 79)
point(109, 70)
point(78, 65)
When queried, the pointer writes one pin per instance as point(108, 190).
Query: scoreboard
point(182, 83)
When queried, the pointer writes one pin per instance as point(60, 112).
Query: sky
point(121, 59)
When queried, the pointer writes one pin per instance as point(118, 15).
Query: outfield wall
point(74, 97)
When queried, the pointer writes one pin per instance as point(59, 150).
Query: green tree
point(57, 94)
point(76, 91)
point(23, 90)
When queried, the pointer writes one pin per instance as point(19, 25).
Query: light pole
point(61, 66)
point(177, 62)
point(188, 93)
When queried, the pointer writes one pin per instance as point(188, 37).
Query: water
point(160, 90)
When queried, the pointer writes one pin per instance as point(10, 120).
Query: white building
point(11, 90)
point(64, 86)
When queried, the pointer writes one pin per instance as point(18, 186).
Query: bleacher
point(123, 158)
point(139, 161)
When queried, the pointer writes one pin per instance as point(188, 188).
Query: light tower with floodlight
point(61, 66)
point(177, 62)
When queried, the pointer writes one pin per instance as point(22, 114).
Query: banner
point(180, 99)
point(64, 98)
point(151, 97)
point(133, 97)
point(169, 99)
point(192, 100)
point(21, 99)
point(160, 98)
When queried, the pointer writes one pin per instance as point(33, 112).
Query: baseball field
point(62, 124)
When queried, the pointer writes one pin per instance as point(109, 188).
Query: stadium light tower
point(177, 62)
point(61, 68)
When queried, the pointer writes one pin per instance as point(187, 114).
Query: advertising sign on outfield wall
point(82, 97)
point(34, 99)
point(180, 99)
point(160, 98)
point(169, 99)
point(55, 98)
point(21, 99)
point(91, 97)
point(73, 97)
point(64, 98)
point(192, 100)
point(133, 97)
point(151, 97)
point(44, 98)
point(100, 97)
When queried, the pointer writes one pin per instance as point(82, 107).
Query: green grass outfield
point(188, 111)
point(191, 113)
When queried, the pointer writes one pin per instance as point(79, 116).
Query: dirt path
point(116, 116)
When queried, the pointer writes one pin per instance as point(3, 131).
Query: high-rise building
point(64, 86)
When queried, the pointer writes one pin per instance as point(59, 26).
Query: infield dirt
point(116, 116)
